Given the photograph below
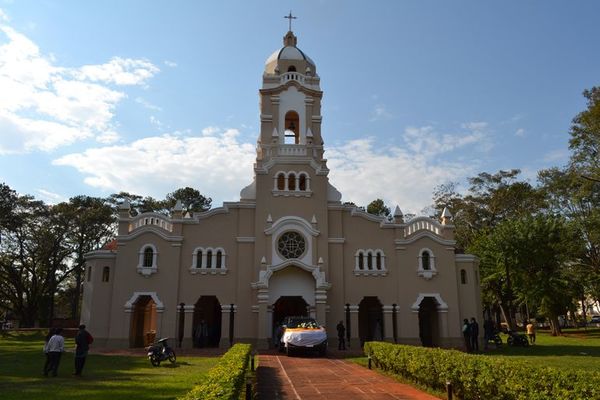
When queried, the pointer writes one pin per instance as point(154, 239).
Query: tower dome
point(290, 58)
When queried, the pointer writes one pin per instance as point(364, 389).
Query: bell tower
point(290, 105)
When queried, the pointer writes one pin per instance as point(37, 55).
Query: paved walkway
point(308, 378)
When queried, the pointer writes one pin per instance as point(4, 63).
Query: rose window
point(291, 245)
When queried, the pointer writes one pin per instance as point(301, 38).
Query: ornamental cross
point(290, 17)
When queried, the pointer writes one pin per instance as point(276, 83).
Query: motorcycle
point(517, 339)
point(160, 351)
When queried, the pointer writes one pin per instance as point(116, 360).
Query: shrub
point(481, 377)
point(226, 379)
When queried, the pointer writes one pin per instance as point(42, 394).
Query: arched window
point(105, 274)
point(199, 259)
point(463, 276)
point(209, 259)
point(426, 262)
point(361, 261)
point(291, 68)
point(292, 128)
point(302, 182)
point(370, 261)
point(378, 262)
point(219, 259)
point(291, 182)
point(148, 257)
point(281, 182)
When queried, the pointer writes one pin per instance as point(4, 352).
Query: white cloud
point(218, 165)
point(147, 104)
point(210, 130)
point(155, 121)
point(380, 112)
point(3, 16)
point(520, 132)
point(426, 141)
point(50, 197)
point(400, 177)
point(108, 137)
point(44, 106)
point(120, 71)
point(171, 64)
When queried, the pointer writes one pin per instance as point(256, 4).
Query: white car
point(303, 333)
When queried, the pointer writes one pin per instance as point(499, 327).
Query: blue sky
point(147, 97)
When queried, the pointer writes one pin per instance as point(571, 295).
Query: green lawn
point(577, 349)
point(105, 377)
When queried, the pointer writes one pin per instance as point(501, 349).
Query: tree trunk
point(555, 326)
point(76, 294)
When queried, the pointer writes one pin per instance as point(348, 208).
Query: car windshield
point(307, 323)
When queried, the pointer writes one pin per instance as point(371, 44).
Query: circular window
point(291, 245)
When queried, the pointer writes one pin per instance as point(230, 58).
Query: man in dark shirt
point(83, 339)
point(341, 330)
point(474, 332)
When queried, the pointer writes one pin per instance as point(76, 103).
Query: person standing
point(341, 331)
point(474, 334)
point(83, 339)
point(488, 332)
point(531, 332)
point(466, 334)
point(46, 340)
point(55, 348)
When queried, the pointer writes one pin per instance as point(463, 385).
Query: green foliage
point(224, 381)
point(529, 256)
point(585, 136)
point(378, 207)
point(481, 377)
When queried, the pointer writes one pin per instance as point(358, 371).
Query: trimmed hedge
point(226, 379)
point(482, 377)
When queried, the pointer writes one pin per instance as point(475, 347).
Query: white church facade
point(287, 247)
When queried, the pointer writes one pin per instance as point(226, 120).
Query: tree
point(585, 137)
point(191, 199)
point(378, 207)
point(24, 274)
point(92, 226)
point(530, 257)
point(491, 199)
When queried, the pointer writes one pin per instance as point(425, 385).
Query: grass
point(105, 377)
point(576, 350)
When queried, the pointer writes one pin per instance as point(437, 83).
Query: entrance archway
point(370, 319)
point(428, 322)
point(287, 306)
point(143, 322)
point(206, 331)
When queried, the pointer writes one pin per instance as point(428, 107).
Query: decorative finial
point(290, 18)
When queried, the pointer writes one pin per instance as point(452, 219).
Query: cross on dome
point(290, 18)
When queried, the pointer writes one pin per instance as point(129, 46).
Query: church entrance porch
point(428, 322)
point(370, 319)
point(206, 326)
point(143, 322)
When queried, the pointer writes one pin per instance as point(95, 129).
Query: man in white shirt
point(54, 348)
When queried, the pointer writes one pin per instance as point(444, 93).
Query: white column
point(263, 320)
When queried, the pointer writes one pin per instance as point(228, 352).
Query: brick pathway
point(308, 378)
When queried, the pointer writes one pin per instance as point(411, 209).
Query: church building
point(288, 247)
